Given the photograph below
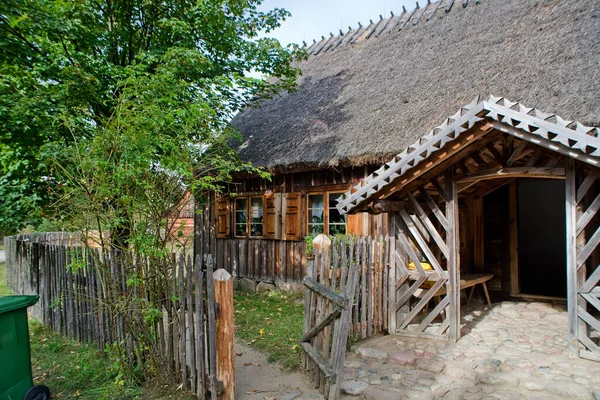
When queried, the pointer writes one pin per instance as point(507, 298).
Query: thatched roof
point(362, 100)
point(569, 138)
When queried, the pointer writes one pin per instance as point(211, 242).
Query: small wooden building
point(369, 93)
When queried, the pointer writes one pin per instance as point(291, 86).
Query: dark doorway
point(495, 238)
point(541, 237)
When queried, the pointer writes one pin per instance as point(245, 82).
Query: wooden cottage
point(496, 190)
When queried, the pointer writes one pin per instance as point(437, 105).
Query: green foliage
point(272, 322)
point(97, 89)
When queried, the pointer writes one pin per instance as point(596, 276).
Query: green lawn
point(4, 289)
point(272, 323)
point(74, 370)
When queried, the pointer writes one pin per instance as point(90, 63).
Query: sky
point(312, 18)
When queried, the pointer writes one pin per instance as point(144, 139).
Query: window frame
point(248, 209)
point(326, 207)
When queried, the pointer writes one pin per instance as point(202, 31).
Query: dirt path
point(256, 379)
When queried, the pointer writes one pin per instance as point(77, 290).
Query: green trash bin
point(16, 382)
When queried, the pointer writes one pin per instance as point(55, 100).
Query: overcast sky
point(312, 18)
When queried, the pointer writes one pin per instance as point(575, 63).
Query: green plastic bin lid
point(11, 303)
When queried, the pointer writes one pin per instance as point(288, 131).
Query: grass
point(74, 370)
point(71, 369)
point(4, 289)
point(79, 371)
point(271, 322)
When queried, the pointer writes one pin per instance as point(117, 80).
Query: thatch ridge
point(549, 130)
point(361, 101)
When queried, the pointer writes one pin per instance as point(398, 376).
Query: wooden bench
point(467, 281)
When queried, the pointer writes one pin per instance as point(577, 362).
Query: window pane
point(256, 216)
point(337, 221)
point(316, 208)
point(241, 217)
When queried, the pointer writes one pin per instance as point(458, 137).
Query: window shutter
point(272, 216)
point(223, 219)
point(292, 219)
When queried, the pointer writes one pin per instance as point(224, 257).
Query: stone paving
point(513, 351)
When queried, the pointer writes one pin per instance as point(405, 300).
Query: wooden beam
point(554, 146)
point(518, 172)
point(428, 225)
point(450, 150)
point(513, 239)
point(453, 244)
point(571, 216)
point(386, 206)
point(320, 361)
point(321, 325)
point(392, 272)
point(325, 292)
point(223, 286)
point(587, 184)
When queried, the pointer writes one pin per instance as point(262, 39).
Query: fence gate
point(583, 259)
point(327, 310)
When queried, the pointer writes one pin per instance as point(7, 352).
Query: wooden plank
point(422, 244)
point(370, 284)
point(433, 314)
point(588, 249)
point(513, 241)
point(223, 292)
point(421, 304)
point(516, 153)
point(515, 172)
point(454, 259)
point(363, 285)
point(191, 359)
point(588, 215)
point(316, 357)
point(182, 322)
point(434, 208)
point(428, 224)
point(392, 273)
point(591, 321)
point(325, 292)
point(200, 329)
point(385, 278)
point(571, 227)
point(587, 184)
point(212, 328)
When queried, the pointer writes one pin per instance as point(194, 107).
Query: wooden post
point(513, 239)
point(571, 216)
point(223, 284)
point(392, 275)
point(453, 244)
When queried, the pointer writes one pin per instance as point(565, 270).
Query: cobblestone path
point(513, 351)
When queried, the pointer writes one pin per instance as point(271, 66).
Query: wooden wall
point(278, 259)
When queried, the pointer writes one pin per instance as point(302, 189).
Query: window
point(248, 216)
point(256, 216)
point(323, 216)
point(316, 214)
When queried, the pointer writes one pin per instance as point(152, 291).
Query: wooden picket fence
point(74, 301)
point(370, 307)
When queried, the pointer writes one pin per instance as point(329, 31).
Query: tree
point(91, 85)
point(110, 110)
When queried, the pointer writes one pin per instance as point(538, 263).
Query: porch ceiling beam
point(552, 145)
point(384, 206)
point(517, 172)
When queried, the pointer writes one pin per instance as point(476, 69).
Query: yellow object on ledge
point(424, 265)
